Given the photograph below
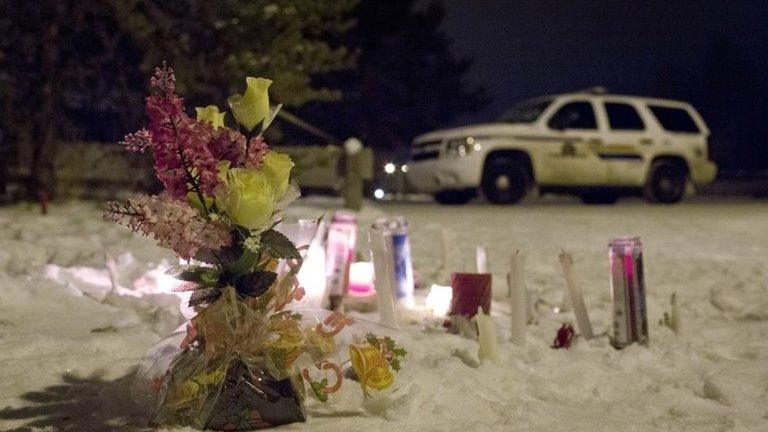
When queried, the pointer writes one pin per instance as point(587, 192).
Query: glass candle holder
point(630, 321)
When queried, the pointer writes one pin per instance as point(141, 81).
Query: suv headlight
point(463, 146)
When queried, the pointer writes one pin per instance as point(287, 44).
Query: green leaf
point(254, 284)
point(204, 296)
point(399, 352)
point(318, 388)
point(202, 276)
point(395, 363)
point(389, 343)
point(278, 246)
point(372, 339)
point(244, 264)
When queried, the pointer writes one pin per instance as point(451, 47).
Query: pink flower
point(257, 149)
point(137, 141)
point(183, 160)
point(174, 224)
point(228, 145)
point(164, 80)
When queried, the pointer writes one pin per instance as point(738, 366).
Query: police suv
point(595, 145)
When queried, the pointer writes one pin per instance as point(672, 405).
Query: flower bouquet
point(244, 360)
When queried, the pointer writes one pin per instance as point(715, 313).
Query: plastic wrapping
point(234, 369)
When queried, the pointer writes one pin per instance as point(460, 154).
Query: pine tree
point(74, 69)
point(407, 80)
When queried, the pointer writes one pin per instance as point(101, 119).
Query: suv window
point(574, 115)
point(622, 116)
point(526, 112)
point(674, 119)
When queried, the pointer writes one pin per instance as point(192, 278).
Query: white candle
point(489, 348)
point(531, 297)
point(481, 259)
point(517, 299)
point(383, 266)
point(565, 302)
point(675, 314)
point(582, 318)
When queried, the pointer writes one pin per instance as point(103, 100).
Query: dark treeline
point(77, 70)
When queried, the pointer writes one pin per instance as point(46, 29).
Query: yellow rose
point(278, 167)
point(211, 115)
point(371, 367)
point(251, 108)
point(248, 197)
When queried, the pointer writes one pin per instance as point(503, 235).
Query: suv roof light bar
point(596, 90)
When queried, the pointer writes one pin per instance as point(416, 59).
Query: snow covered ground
point(68, 344)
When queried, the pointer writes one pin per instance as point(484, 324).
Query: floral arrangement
point(245, 359)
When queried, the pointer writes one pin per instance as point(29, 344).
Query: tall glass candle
point(630, 322)
point(383, 266)
point(340, 250)
point(397, 231)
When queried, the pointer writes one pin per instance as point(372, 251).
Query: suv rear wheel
point(455, 197)
point(505, 181)
point(666, 182)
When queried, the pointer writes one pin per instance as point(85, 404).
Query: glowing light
point(389, 168)
point(404, 168)
point(312, 274)
point(156, 281)
point(378, 193)
point(361, 278)
point(439, 299)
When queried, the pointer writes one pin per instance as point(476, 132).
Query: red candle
point(470, 291)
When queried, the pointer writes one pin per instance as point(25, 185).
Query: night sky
point(713, 54)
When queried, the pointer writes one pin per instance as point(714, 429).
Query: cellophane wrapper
point(248, 370)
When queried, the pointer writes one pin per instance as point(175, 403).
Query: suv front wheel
point(505, 181)
point(666, 182)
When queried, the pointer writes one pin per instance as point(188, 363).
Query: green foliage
point(202, 276)
point(254, 284)
point(318, 388)
point(213, 44)
point(77, 69)
point(244, 263)
point(398, 353)
point(407, 80)
point(276, 245)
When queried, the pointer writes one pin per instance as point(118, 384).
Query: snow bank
point(81, 301)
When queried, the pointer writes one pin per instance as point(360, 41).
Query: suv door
point(570, 158)
point(626, 143)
